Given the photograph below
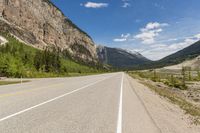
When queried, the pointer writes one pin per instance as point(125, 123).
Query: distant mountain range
point(39, 23)
point(120, 58)
point(187, 53)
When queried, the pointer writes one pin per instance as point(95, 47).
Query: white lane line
point(51, 100)
point(119, 122)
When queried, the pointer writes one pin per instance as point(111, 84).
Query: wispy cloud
point(148, 34)
point(157, 47)
point(95, 5)
point(123, 38)
point(158, 51)
point(126, 3)
point(157, 5)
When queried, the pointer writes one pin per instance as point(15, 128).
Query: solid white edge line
point(51, 100)
point(119, 121)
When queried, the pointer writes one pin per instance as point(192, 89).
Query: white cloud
point(178, 46)
point(119, 40)
point(126, 3)
point(154, 26)
point(150, 32)
point(158, 51)
point(95, 5)
point(159, 46)
point(123, 38)
point(126, 35)
point(147, 37)
point(197, 36)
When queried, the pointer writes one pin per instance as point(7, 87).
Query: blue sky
point(155, 28)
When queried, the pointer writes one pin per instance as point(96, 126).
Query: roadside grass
point(12, 82)
point(170, 79)
point(55, 75)
point(188, 107)
point(83, 74)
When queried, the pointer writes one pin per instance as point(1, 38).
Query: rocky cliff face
point(41, 24)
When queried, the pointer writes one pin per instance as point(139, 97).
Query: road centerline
point(29, 90)
point(119, 121)
point(51, 100)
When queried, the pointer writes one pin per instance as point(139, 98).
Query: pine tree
point(183, 77)
point(172, 80)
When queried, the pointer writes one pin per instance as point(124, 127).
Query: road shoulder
point(135, 116)
point(169, 117)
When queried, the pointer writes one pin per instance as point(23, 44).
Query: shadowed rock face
point(41, 24)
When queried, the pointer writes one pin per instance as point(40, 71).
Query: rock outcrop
point(2, 40)
point(41, 24)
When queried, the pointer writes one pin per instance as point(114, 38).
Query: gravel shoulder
point(168, 117)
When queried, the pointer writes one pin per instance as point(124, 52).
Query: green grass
point(11, 82)
point(188, 107)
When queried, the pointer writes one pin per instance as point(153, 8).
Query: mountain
point(120, 58)
point(194, 64)
point(41, 24)
point(185, 54)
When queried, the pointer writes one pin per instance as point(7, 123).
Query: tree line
point(18, 59)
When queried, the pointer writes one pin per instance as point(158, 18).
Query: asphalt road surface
point(103, 103)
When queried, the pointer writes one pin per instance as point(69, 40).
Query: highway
point(104, 103)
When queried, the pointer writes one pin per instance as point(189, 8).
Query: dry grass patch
point(188, 107)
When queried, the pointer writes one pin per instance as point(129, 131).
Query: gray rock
point(41, 24)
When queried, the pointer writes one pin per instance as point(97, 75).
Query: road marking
point(29, 90)
point(119, 122)
point(51, 100)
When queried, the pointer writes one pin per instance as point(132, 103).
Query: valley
point(55, 78)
